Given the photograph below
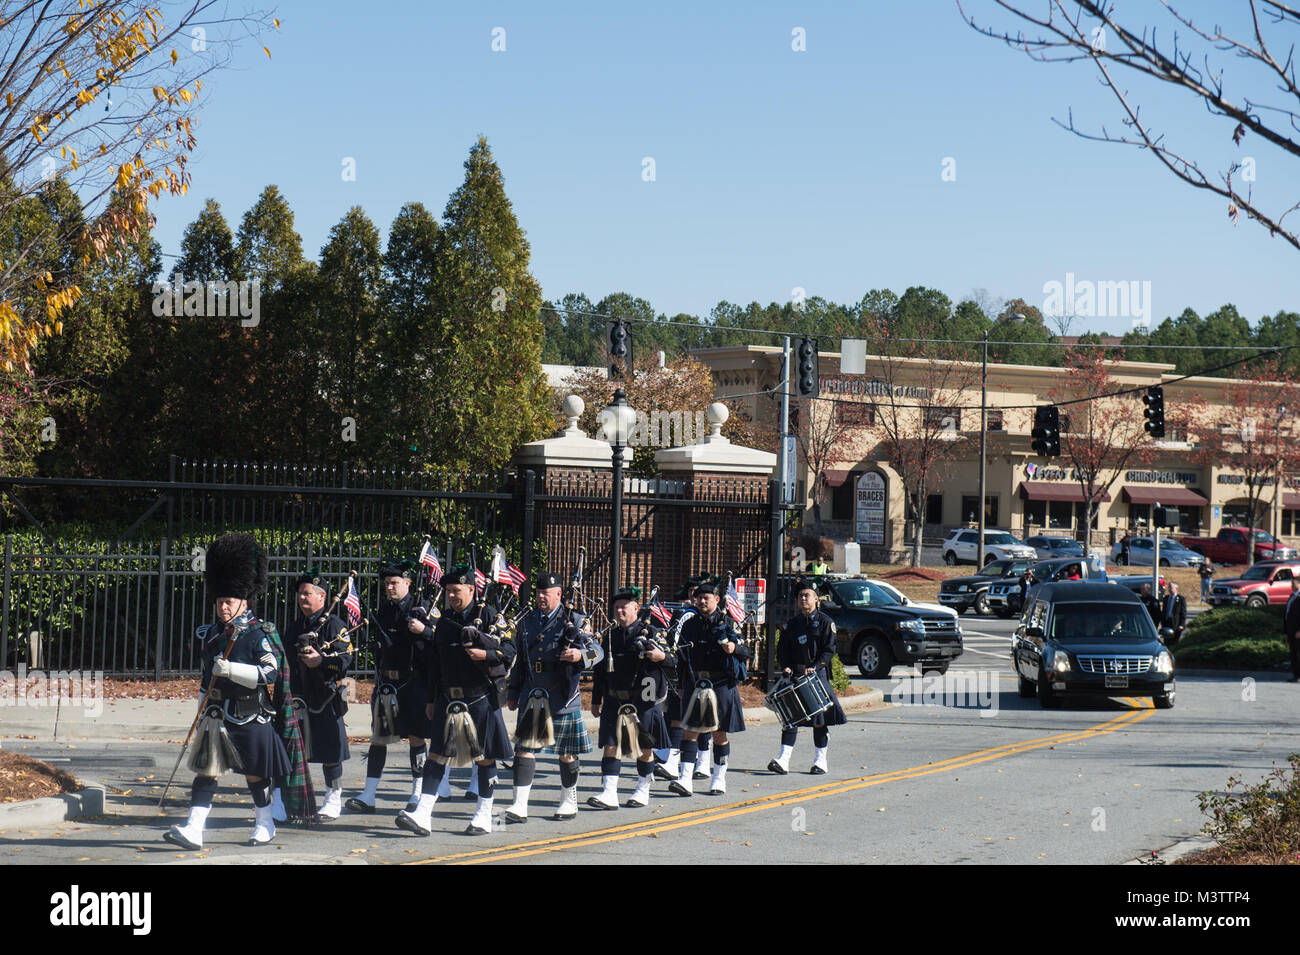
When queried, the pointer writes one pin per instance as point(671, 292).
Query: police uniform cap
point(706, 587)
point(398, 568)
point(805, 583)
point(628, 593)
point(547, 581)
point(312, 575)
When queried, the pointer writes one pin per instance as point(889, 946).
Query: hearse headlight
point(1164, 662)
point(1061, 661)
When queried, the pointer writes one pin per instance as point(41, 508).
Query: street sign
point(870, 499)
point(753, 594)
point(788, 481)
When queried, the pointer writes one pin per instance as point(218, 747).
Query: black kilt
point(261, 751)
point(673, 707)
point(652, 720)
point(329, 737)
point(411, 699)
point(731, 712)
point(488, 724)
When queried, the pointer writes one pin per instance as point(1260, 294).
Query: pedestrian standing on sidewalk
point(1207, 577)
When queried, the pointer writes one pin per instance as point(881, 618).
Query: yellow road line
point(713, 814)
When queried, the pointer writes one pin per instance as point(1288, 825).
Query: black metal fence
point(128, 603)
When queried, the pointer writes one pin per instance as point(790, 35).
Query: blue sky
point(774, 169)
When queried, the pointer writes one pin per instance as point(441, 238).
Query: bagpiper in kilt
point(710, 659)
point(403, 626)
point(807, 643)
point(467, 664)
point(627, 694)
point(553, 650)
point(319, 658)
point(243, 679)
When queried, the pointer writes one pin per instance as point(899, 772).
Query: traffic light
point(1154, 399)
point(1165, 517)
point(618, 344)
point(807, 384)
point(1047, 431)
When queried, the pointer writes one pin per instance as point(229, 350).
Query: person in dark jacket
point(1152, 605)
point(1207, 578)
point(1291, 626)
point(807, 644)
point(1173, 615)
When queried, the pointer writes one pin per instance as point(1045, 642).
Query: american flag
point(513, 576)
point(661, 613)
point(429, 559)
point(733, 604)
point(480, 581)
point(353, 602)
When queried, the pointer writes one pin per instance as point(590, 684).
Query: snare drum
point(796, 702)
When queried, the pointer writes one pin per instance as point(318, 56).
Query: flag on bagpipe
point(429, 559)
point(661, 613)
point(480, 581)
point(353, 603)
point(733, 604)
point(513, 576)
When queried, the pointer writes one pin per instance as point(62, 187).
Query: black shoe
point(678, 788)
point(357, 804)
point(633, 804)
point(700, 774)
point(816, 771)
point(515, 817)
point(173, 835)
point(661, 773)
point(410, 806)
point(595, 803)
point(717, 792)
point(469, 795)
point(410, 825)
point(775, 767)
point(473, 830)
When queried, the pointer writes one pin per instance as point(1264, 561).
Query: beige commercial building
point(1024, 493)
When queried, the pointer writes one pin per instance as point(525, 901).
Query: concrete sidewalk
point(170, 719)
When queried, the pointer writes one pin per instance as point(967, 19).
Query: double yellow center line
point(700, 817)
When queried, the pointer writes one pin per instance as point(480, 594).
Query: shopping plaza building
point(1024, 493)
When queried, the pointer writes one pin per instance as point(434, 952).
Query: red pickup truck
point(1261, 585)
point(1229, 547)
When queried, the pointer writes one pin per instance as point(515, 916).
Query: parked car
point(1089, 639)
point(1141, 551)
point(1266, 583)
point(1048, 547)
point(876, 630)
point(962, 547)
point(1004, 596)
point(963, 593)
point(1229, 546)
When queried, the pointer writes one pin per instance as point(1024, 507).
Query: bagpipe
point(313, 639)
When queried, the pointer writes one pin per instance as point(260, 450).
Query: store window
point(1080, 515)
point(994, 419)
point(855, 414)
point(1060, 516)
point(934, 509)
point(842, 499)
point(1139, 517)
point(969, 503)
point(946, 418)
point(1036, 513)
point(1291, 523)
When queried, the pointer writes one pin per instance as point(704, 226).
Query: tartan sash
point(295, 786)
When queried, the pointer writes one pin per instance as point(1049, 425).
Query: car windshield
point(1000, 540)
point(995, 568)
point(1170, 544)
point(1264, 537)
point(1258, 572)
point(1100, 621)
point(863, 593)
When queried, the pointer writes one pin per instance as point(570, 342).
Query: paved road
point(931, 780)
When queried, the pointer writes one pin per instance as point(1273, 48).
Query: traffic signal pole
point(984, 434)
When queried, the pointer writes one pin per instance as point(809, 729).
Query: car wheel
point(939, 668)
point(982, 605)
point(1163, 701)
point(1046, 695)
point(950, 559)
point(1164, 561)
point(1026, 688)
point(874, 658)
point(1257, 602)
point(989, 558)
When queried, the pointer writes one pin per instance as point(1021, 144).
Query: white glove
point(245, 674)
point(221, 667)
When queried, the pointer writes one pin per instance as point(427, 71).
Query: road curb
point(52, 810)
point(1179, 850)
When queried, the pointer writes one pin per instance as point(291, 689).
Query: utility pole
point(984, 435)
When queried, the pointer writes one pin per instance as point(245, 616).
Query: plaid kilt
point(571, 736)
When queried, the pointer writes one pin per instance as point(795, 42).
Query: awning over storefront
point(836, 478)
point(1041, 491)
point(1168, 496)
point(1290, 500)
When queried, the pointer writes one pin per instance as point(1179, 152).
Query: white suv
point(962, 546)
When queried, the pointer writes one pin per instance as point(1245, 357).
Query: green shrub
point(839, 679)
point(1233, 638)
point(1260, 821)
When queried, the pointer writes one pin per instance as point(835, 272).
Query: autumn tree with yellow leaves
point(100, 95)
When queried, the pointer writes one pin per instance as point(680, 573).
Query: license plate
point(1116, 682)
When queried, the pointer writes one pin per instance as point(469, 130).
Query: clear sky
point(773, 168)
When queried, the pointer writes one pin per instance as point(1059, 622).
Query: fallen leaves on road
point(22, 777)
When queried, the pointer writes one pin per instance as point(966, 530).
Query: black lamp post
point(618, 421)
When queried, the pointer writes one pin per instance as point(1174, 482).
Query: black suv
point(963, 593)
point(1084, 639)
point(876, 632)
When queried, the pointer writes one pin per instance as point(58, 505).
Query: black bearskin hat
point(235, 567)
